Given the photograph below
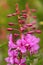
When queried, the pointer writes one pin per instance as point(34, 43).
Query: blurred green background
point(7, 7)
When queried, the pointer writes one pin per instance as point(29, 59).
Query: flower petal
point(23, 49)
point(16, 61)
point(7, 59)
point(23, 60)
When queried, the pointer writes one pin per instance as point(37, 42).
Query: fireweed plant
point(26, 45)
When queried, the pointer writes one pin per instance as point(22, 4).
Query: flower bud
point(16, 35)
point(21, 21)
point(33, 10)
point(10, 23)
point(25, 26)
point(9, 15)
point(34, 22)
point(30, 32)
point(33, 27)
point(27, 8)
point(9, 29)
point(29, 25)
point(17, 12)
point(34, 17)
point(24, 15)
point(22, 29)
point(23, 11)
point(14, 14)
point(38, 31)
point(16, 5)
point(17, 9)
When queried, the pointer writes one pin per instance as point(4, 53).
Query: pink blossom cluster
point(26, 43)
point(16, 50)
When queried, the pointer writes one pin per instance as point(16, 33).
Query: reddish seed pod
point(38, 31)
point(29, 25)
point(16, 35)
point(9, 15)
point(9, 29)
point(10, 23)
point(33, 10)
point(34, 17)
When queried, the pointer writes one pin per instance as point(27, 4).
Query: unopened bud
point(24, 15)
point(33, 10)
point(17, 12)
point(29, 25)
point(34, 22)
point(9, 15)
point(22, 29)
point(25, 26)
point(38, 31)
point(21, 21)
point(23, 11)
point(34, 17)
point(14, 14)
point(10, 23)
point(16, 5)
point(33, 27)
point(16, 35)
point(30, 32)
point(9, 29)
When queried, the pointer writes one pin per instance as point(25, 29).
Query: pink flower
point(12, 52)
point(11, 43)
point(20, 62)
point(26, 42)
point(21, 44)
point(31, 39)
point(10, 60)
point(34, 49)
point(8, 64)
point(7, 59)
point(32, 43)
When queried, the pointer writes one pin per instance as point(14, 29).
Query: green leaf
point(1, 45)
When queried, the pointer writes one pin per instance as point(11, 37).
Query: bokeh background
point(8, 6)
